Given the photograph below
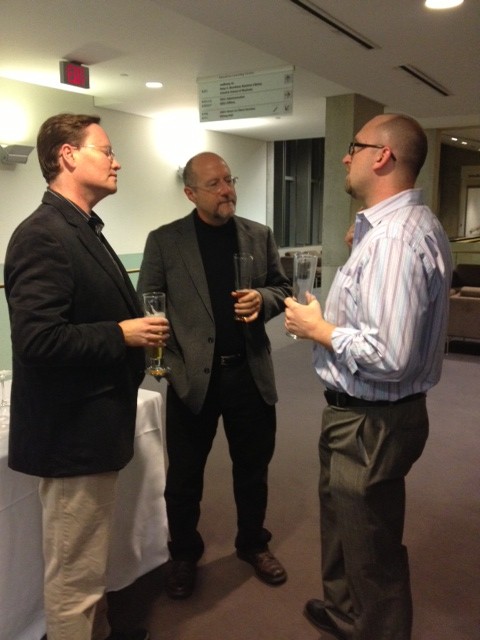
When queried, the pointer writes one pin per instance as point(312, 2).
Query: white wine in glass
point(154, 305)
point(5, 374)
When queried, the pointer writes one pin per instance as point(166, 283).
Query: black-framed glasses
point(217, 185)
point(108, 151)
point(363, 145)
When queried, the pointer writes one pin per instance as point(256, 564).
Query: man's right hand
point(151, 331)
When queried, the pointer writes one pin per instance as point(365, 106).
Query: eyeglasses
point(108, 151)
point(362, 145)
point(216, 185)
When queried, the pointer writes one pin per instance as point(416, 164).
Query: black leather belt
point(231, 360)
point(339, 399)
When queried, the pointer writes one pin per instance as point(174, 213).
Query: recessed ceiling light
point(442, 4)
point(154, 85)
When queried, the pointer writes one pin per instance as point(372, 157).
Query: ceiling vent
point(325, 17)
point(422, 77)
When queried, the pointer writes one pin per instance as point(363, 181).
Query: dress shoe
point(180, 582)
point(266, 566)
point(139, 634)
point(316, 613)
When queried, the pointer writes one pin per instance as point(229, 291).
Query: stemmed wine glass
point(5, 374)
point(154, 305)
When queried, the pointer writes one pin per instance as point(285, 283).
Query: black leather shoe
point(266, 566)
point(180, 582)
point(316, 613)
point(139, 634)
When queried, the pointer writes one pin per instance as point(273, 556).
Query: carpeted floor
point(442, 525)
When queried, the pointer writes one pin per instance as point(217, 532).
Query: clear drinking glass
point(154, 304)
point(5, 374)
point(243, 263)
point(304, 271)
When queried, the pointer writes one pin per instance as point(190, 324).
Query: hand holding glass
point(154, 304)
point(304, 271)
point(243, 264)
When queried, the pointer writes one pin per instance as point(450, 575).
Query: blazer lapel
point(189, 251)
point(101, 252)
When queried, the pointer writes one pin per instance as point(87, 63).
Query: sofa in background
point(464, 315)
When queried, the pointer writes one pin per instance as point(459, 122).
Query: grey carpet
point(442, 525)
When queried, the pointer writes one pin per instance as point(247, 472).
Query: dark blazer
point(75, 383)
point(172, 263)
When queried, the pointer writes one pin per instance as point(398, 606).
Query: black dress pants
point(250, 426)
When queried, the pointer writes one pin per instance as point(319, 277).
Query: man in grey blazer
point(219, 367)
point(78, 359)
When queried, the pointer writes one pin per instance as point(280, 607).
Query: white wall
point(149, 191)
point(150, 151)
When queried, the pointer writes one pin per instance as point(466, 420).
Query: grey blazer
point(172, 263)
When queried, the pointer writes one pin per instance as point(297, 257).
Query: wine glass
point(5, 374)
point(154, 303)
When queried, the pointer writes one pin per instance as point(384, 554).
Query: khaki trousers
point(77, 518)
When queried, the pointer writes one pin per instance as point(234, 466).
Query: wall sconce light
point(15, 153)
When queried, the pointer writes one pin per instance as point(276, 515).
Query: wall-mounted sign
point(254, 94)
point(74, 74)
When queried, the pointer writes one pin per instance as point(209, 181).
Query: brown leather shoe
point(180, 581)
point(266, 566)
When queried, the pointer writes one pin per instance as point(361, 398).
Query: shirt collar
point(93, 220)
point(366, 219)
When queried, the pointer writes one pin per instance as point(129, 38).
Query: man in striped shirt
point(378, 349)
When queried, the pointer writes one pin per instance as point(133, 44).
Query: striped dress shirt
point(389, 304)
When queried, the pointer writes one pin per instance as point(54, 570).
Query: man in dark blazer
point(219, 366)
point(78, 360)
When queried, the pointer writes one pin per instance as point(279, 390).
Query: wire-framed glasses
point(108, 151)
point(217, 185)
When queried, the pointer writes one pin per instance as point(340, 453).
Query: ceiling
point(128, 42)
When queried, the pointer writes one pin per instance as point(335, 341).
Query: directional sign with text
point(246, 95)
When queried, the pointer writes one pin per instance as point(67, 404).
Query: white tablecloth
point(140, 536)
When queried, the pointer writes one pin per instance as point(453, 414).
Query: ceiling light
point(154, 85)
point(442, 4)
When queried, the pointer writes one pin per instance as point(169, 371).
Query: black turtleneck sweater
point(217, 246)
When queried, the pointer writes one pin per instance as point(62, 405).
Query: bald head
point(196, 163)
point(406, 138)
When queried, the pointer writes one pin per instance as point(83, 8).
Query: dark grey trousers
point(365, 454)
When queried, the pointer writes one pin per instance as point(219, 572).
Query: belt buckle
point(231, 359)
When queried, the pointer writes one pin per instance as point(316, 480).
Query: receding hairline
point(189, 172)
